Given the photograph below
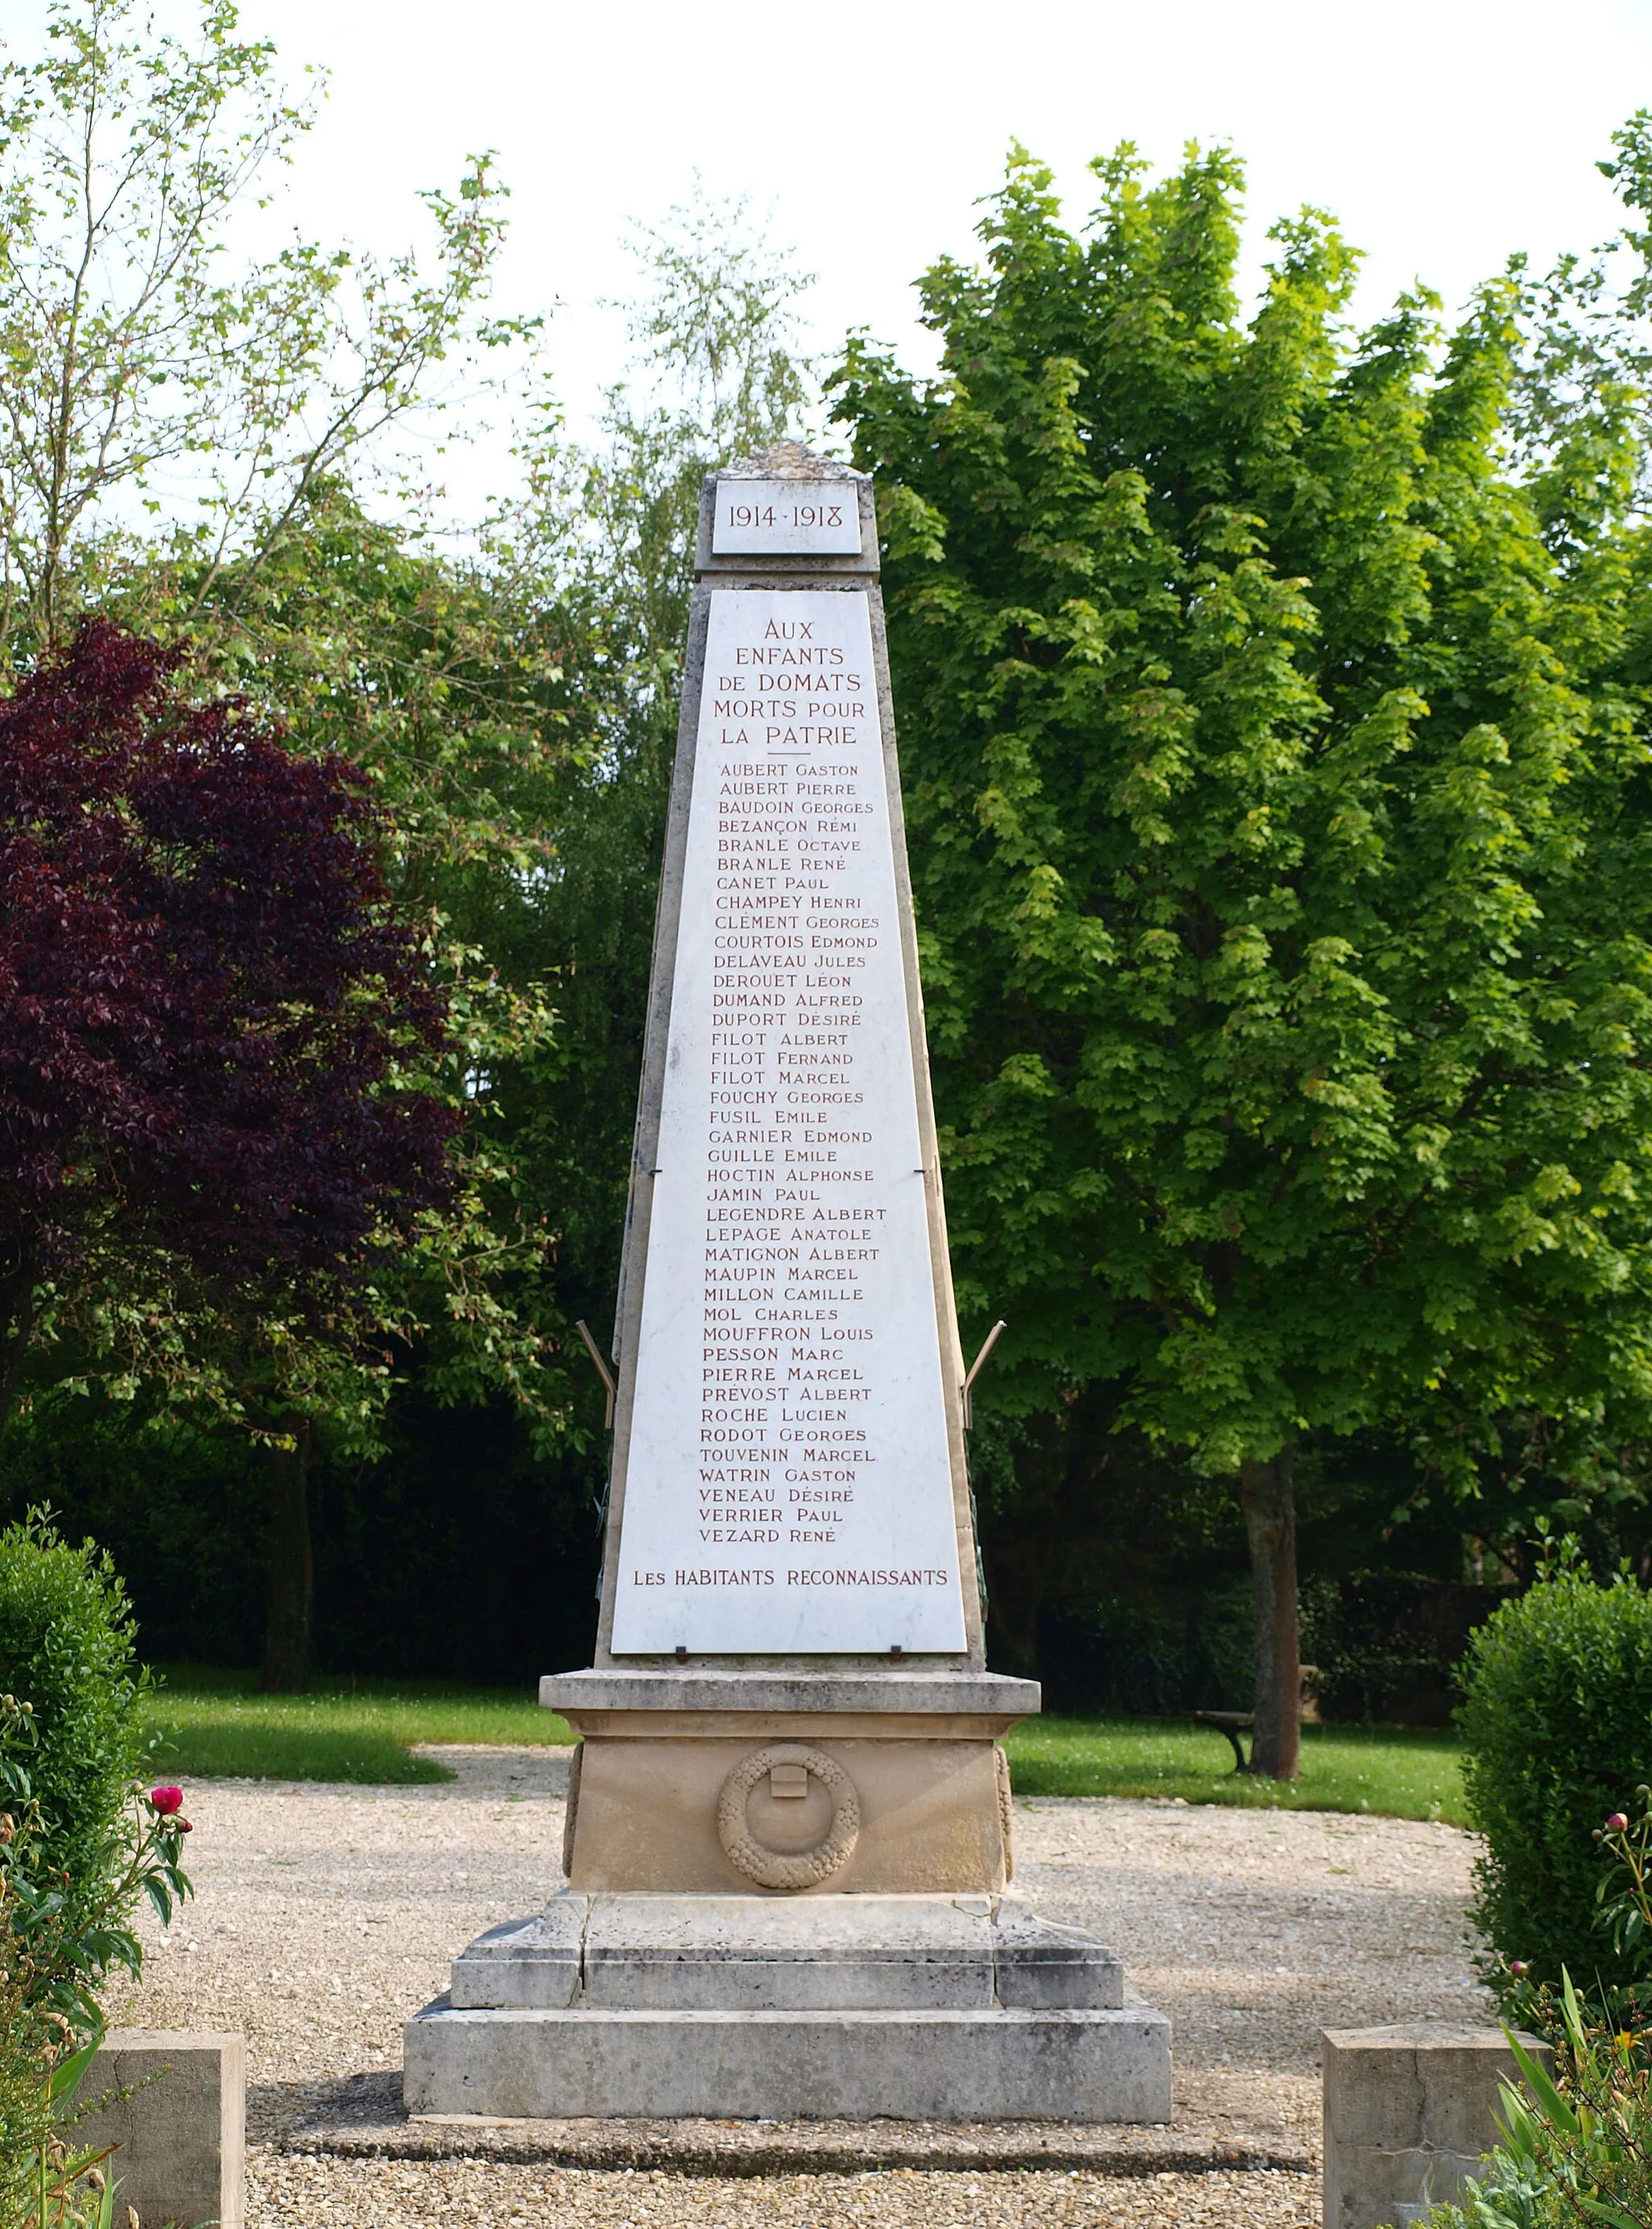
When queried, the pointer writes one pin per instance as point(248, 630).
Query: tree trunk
point(1268, 1494)
point(291, 1567)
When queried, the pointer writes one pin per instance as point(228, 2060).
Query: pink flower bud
point(166, 1801)
point(1519, 1966)
point(1617, 1824)
point(184, 1828)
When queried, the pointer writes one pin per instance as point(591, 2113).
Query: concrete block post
point(1409, 2111)
point(181, 2131)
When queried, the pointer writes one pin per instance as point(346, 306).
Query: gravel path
point(324, 1916)
point(387, 2194)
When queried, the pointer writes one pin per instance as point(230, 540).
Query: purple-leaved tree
point(212, 1019)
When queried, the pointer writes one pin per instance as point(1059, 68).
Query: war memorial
point(788, 1846)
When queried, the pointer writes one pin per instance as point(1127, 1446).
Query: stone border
point(773, 2148)
point(942, 1694)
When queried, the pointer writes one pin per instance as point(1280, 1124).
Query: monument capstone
point(789, 1829)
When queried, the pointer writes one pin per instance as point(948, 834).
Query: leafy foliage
point(68, 1649)
point(1557, 1723)
point(80, 1847)
point(131, 361)
point(456, 687)
point(1276, 797)
point(1623, 1893)
point(1275, 806)
point(1576, 2147)
point(59, 1937)
point(185, 431)
point(65, 1931)
point(207, 1006)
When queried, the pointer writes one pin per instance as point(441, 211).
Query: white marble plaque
point(788, 1486)
point(786, 519)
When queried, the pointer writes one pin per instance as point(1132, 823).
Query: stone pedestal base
point(1410, 2108)
point(843, 2065)
point(175, 2104)
point(663, 1753)
point(849, 2008)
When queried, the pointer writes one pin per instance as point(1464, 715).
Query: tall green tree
point(716, 372)
point(1276, 761)
point(208, 451)
point(456, 679)
point(141, 373)
point(184, 436)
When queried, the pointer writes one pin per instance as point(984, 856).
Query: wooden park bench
point(1234, 1722)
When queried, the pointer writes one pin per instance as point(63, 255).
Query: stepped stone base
point(919, 1749)
point(849, 2065)
point(853, 2007)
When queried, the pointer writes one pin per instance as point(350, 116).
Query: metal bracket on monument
point(606, 1374)
point(987, 1345)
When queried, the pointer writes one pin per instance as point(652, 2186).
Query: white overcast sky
point(1442, 133)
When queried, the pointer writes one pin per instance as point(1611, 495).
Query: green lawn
point(1402, 1771)
point(211, 1722)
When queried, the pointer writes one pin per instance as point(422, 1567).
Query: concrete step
point(850, 2065)
point(633, 1952)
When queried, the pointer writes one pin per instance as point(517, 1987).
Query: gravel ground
point(324, 1916)
point(389, 2194)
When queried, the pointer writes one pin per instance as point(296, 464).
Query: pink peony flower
point(166, 1801)
point(1617, 1824)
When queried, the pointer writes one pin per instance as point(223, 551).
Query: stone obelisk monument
point(788, 1839)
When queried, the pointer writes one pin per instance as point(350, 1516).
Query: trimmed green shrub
point(1557, 1722)
point(66, 1646)
point(54, 1955)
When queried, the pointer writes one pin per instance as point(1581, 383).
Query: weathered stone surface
point(787, 1426)
point(1039, 1965)
point(824, 1953)
point(754, 2148)
point(1410, 2108)
point(918, 1746)
point(786, 461)
point(810, 1740)
point(897, 1576)
point(836, 2005)
point(832, 1953)
point(931, 1820)
point(852, 2064)
point(788, 519)
point(989, 1695)
point(182, 2130)
point(526, 1962)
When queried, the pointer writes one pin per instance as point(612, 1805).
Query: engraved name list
point(787, 1483)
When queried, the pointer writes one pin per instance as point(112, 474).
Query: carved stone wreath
point(791, 1868)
